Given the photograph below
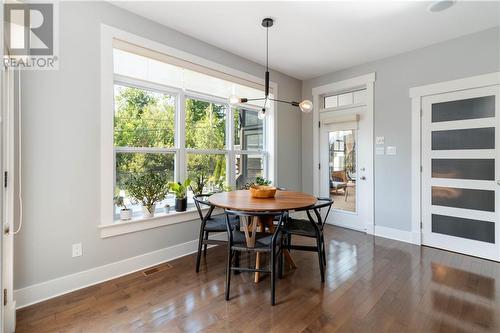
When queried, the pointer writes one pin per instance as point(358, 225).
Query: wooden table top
point(242, 200)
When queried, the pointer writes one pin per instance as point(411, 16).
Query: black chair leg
point(320, 258)
point(280, 264)
point(228, 272)
point(200, 244)
point(206, 245)
point(237, 262)
point(281, 258)
point(273, 276)
point(289, 241)
point(323, 247)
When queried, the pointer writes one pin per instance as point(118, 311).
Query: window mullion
point(230, 161)
point(206, 151)
point(181, 161)
point(145, 150)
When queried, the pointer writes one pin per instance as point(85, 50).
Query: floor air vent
point(156, 269)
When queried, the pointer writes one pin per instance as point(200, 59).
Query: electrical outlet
point(76, 250)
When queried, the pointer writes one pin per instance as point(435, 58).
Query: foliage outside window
point(148, 140)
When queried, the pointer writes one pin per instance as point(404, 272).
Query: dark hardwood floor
point(372, 285)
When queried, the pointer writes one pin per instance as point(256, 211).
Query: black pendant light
point(305, 106)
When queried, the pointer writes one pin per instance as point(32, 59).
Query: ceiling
point(310, 39)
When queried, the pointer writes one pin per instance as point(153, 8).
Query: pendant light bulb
point(262, 114)
point(306, 106)
point(233, 99)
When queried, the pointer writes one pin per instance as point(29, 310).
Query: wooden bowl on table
point(263, 191)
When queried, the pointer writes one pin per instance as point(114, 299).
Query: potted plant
point(262, 181)
point(180, 192)
point(125, 213)
point(147, 189)
point(262, 188)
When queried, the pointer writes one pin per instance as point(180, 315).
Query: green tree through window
point(143, 119)
point(206, 129)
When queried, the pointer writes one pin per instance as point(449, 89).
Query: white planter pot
point(147, 213)
point(166, 209)
point(125, 214)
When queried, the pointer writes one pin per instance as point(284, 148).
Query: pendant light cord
point(267, 49)
point(267, 65)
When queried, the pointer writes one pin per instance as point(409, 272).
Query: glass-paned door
point(461, 172)
point(346, 167)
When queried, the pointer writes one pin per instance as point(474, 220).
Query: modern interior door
point(461, 171)
point(345, 167)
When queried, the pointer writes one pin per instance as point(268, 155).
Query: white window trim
point(108, 227)
point(159, 220)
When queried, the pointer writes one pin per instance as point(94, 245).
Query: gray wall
point(61, 148)
point(462, 57)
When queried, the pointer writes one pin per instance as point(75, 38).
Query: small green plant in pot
point(262, 181)
point(259, 181)
point(125, 213)
point(180, 192)
point(147, 189)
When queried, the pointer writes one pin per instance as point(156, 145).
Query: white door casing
point(367, 82)
point(7, 205)
point(467, 226)
point(417, 94)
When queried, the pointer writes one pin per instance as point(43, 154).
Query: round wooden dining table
point(242, 200)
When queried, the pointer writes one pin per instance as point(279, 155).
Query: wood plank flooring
point(372, 285)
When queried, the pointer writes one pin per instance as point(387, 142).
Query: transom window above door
point(351, 98)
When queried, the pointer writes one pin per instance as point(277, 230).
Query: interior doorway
point(455, 165)
point(460, 171)
point(343, 153)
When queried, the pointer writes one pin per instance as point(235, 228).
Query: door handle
point(363, 178)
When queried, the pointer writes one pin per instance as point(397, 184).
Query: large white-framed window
point(175, 122)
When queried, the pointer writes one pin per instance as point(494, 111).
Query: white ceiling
point(314, 38)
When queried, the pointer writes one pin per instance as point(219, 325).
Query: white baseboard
point(416, 237)
point(370, 229)
point(65, 284)
point(396, 234)
point(347, 226)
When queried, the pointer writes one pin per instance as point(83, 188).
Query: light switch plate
point(391, 150)
point(380, 150)
point(379, 140)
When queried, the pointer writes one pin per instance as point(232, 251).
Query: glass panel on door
point(342, 169)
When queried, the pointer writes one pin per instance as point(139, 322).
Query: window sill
point(159, 220)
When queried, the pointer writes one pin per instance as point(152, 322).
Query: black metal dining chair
point(209, 224)
point(311, 227)
point(264, 242)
